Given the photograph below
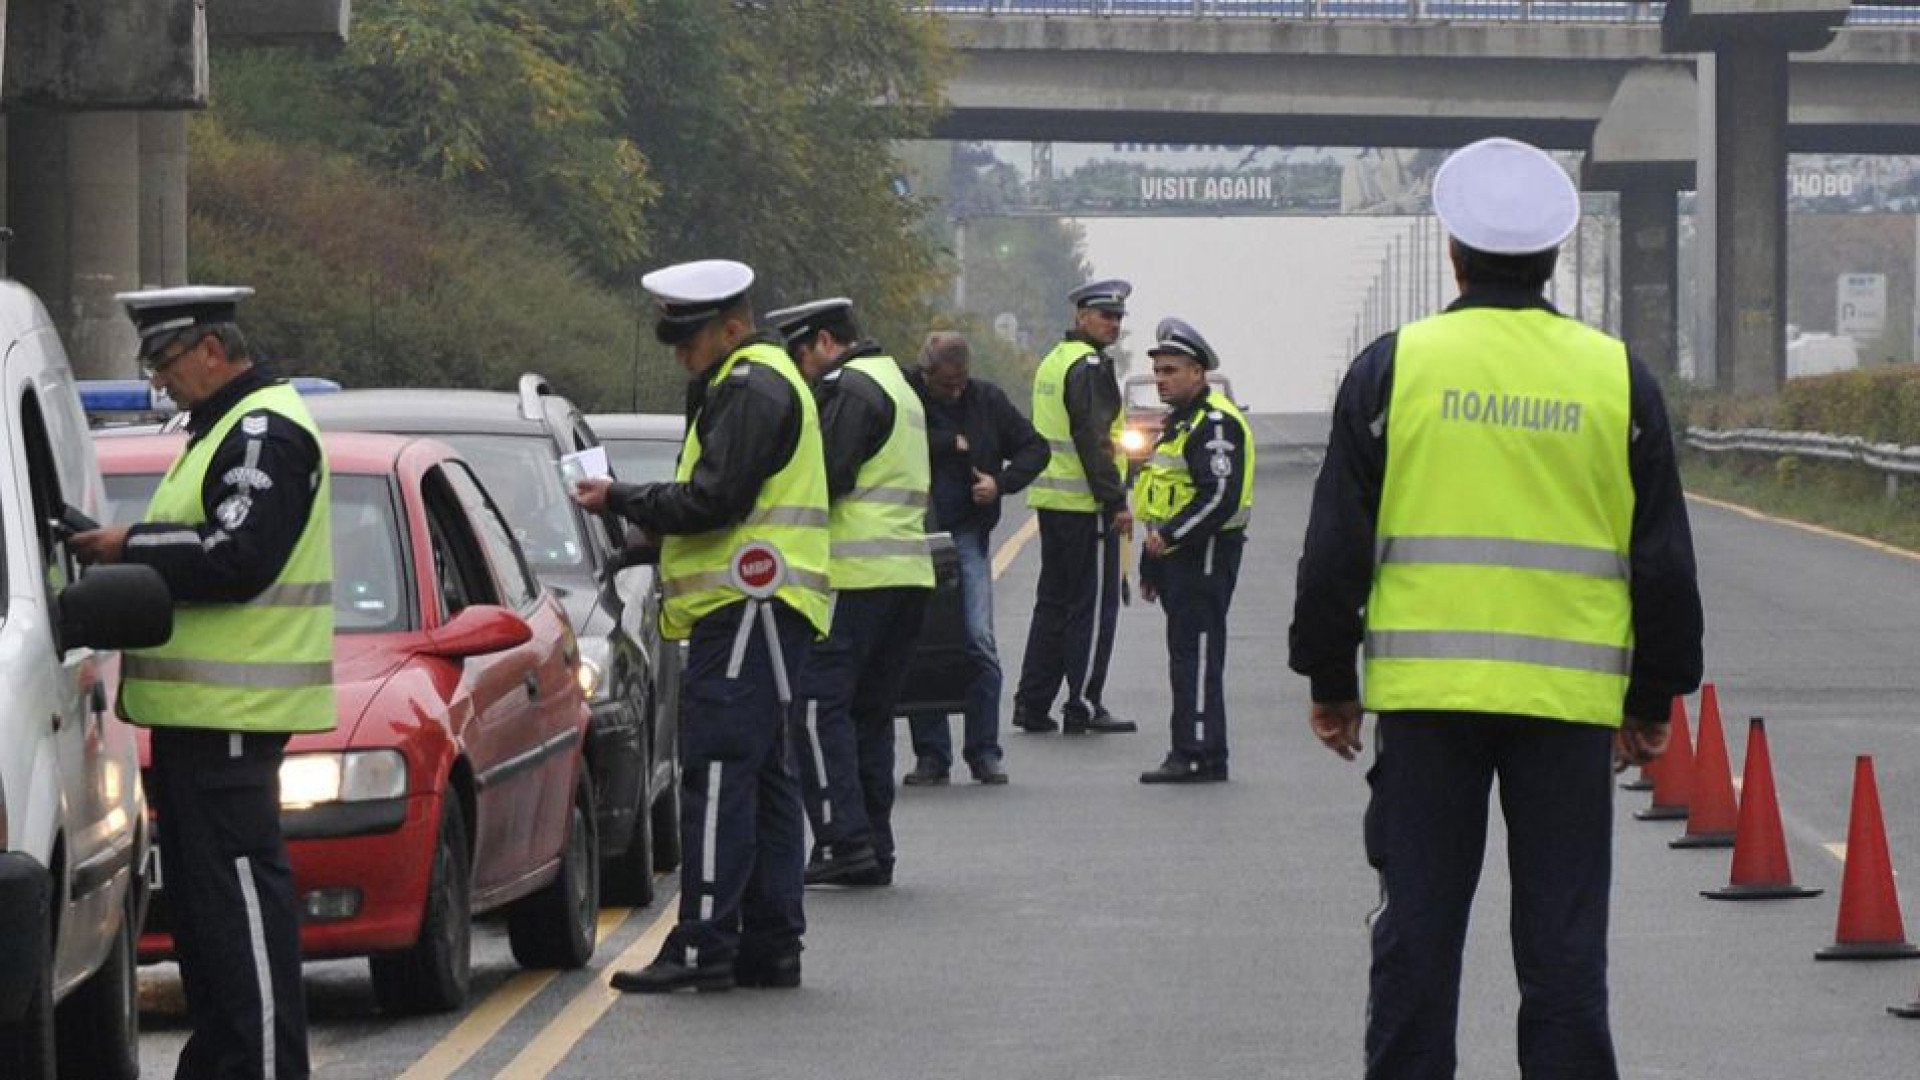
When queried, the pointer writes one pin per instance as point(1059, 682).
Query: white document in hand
point(588, 464)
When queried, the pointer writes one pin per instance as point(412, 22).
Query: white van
point(73, 823)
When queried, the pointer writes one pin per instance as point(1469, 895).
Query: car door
point(97, 851)
point(502, 737)
point(554, 713)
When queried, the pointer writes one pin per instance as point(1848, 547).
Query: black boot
point(927, 772)
point(664, 976)
point(988, 770)
point(1033, 723)
point(1178, 770)
point(851, 868)
point(1101, 722)
point(770, 973)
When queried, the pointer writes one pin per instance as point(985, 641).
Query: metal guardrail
point(1890, 459)
point(1559, 11)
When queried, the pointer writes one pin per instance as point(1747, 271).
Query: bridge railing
point(1889, 459)
point(1559, 11)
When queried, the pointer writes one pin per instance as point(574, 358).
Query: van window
point(43, 484)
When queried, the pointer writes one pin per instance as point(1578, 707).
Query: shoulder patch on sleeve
point(1216, 415)
point(1094, 359)
point(254, 424)
point(742, 370)
point(833, 376)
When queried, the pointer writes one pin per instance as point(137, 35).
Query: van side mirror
point(123, 606)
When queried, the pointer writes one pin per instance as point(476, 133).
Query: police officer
point(875, 433)
point(1081, 499)
point(1195, 496)
point(239, 530)
point(742, 529)
point(1500, 518)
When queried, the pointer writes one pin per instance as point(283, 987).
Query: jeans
point(931, 737)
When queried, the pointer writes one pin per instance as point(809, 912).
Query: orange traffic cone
point(1672, 771)
point(1760, 869)
point(1712, 814)
point(1870, 927)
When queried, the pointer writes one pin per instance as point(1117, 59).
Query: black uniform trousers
point(742, 833)
point(230, 892)
point(843, 717)
point(1196, 581)
point(1426, 830)
point(1075, 605)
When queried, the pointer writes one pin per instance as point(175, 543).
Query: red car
point(455, 783)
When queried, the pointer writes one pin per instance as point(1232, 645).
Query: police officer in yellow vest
point(742, 529)
point(239, 528)
point(1081, 501)
point(875, 433)
point(1500, 518)
point(1194, 497)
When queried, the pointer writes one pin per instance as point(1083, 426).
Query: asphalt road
point(1078, 924)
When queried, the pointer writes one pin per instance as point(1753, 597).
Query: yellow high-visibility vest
point(789, 513)
point(1062, 485)
point(1165, 484)
point(879, 529)
point(265, 665)
point(1502, 561)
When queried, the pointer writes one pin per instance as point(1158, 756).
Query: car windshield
point(642, 461)
point(369, 590)
point(1142, 395)
point(523, 476)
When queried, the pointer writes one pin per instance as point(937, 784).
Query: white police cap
point(1108, 295)
point(688, 294)
point(803, 320)
point(1179, 336)
point(162, 316)
point(1504, 197)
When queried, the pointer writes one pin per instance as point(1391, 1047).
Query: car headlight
point(307, 780)
point(596, 658)
point(1133, 440)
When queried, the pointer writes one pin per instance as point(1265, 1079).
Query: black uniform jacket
point(1093, 400)
point(856, 419)
point(749, 427)
point(1000, 442)
point(1336, 567)
point(1216, 455)
point(257, 495)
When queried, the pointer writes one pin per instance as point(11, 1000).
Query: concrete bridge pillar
point(1750, 44)
point(74, 205)
point(1649, 276)
point(163, 198)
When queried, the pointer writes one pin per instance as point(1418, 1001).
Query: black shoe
point(776, 973)
point(1178, 770)
point(846, 869)
point(1101, 722)
point(665, 976)
point(1034, 723)
point(927, 772)
point(988, 770)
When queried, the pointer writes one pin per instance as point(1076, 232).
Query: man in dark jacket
point(983, 449)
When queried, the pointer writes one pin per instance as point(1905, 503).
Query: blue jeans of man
point(1075, 605)
point(742, 834)
point(931, 735)
point(1426, 830)
point(1196, 582)
point(843, 717)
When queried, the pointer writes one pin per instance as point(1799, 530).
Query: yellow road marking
point(1011, 549)
point(500, 1007)
point(551, 1046)
point(1817, 530)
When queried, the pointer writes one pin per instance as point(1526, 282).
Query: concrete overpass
point(94, 95)
point(1643, 99)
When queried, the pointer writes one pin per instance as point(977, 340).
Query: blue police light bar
point(121, 396)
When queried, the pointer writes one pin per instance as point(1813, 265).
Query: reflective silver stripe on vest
point(1481, 645)
point(805, 517)
point(720, 579)
point(879, 549)
point(311, 594)
point(1515, 554)
point(1061, 483)
point(1238, 520)
point(890, 496)
point(1064, 446)
point(263, 676)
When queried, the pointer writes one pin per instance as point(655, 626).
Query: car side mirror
point(479, 629)
point(122, 606)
